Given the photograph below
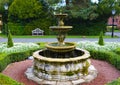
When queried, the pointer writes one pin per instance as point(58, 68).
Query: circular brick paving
point(106, 72)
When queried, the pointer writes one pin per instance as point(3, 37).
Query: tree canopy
point(26, 9)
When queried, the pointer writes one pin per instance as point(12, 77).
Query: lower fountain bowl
point(61, 71)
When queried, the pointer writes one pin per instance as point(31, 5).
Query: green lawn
point(54, 36)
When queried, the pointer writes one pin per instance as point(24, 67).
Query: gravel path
point(106, 72)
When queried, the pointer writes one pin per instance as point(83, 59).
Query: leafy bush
point(16, 57)
point(82, 27)
point(16, 28)
point(43, 24)
point(117, 51)
point(10, 41)
point(5, 80)
point(115, 82)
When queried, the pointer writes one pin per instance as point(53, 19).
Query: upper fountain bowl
point(61, 15)
point(60, 28)
point(66, 47)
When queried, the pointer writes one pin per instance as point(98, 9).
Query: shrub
point(16, 28)
point(101, 55)
point(5, 80)
point(115, 82)
point(16, 57)
point(86, 27)
point(43, 24)
point(117, 51)
point(4, 61)
point(110, 57)
point(10, 41)
point(101, 41)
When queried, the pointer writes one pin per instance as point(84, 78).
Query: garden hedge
point(4, 61)
point(14, 57)
point(5, 80)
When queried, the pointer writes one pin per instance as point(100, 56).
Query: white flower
point(18, 47)
point(88, 45)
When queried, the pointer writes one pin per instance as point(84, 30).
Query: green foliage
point(70, 73)
point(25, 10)
point(108, 56)
point(2, 2)
point(4, 61)
point(7, 57)
point(19, 29)
point(85, 68)
point(5, 80)
point(10, 41)
point(86, 27)
point(101, 41)
point(117, 51)
point(87, 13)
point(16, 28)
point(105, 5)
point(115, 82)
point(42, 23)
point(41, 44)
point(15, 57)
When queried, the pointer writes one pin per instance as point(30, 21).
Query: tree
point(25, 10)
point(101, 41)
point(10, 41)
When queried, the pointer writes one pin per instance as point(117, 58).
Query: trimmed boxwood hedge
point(4, 61)
point(14, 57)
point(110, 57)
point(115, 82)
point(5, 80)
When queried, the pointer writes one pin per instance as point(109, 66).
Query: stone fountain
point(61, 63)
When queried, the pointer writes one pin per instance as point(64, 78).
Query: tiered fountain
point(61, 63)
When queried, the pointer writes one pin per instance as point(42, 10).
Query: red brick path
point(106, 72)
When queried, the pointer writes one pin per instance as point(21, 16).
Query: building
point(116, 21)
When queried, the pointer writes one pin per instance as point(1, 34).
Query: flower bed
point(108, 46)
point(18, 47)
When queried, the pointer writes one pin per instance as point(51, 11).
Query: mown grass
point(54, 36)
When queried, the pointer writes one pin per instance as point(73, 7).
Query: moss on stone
point(70, 73)
point(85, 68)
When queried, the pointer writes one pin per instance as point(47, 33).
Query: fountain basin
point(61, 69)
point(65, 47)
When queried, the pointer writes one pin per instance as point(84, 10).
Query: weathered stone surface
point(31, 76)
point(45, 82)
point(47, 79)
point(79, 66)
point(91, 68)
point(63, 68)
point(79, 81)
point(64, 83)
point(88, 78)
